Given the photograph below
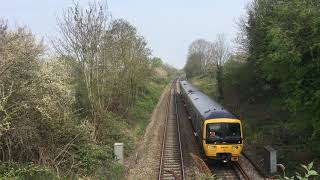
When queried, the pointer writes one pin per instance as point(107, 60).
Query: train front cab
point(222, 139)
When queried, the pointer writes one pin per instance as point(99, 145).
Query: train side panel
point(196, 120)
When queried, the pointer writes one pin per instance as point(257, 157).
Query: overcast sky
point(169, 26)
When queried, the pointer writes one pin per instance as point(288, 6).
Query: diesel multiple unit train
point(218, 131)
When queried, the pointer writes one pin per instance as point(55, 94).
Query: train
point(218, 131)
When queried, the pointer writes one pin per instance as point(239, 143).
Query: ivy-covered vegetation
point(272, 79)
point(61, 114)
point(307, 173)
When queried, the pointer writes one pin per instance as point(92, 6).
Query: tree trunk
point(219, 83)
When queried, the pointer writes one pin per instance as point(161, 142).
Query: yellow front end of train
point(222, 139)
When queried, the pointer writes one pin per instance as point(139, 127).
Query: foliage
point(35, 114)
point(142, 111)
point(308, 173)
point(26, 171)
point(208, 58)
point(289, 53)
point(60, 115)
point(206, 84)
point(156, 62)
point(129, 66)
point(204, 176)
point(193, 66)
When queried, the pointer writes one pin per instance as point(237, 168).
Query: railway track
point(241, 172)
point(171, 161)
point(231, 171)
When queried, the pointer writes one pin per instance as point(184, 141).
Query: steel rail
point(170, 161)
point(178, 124)
point(164, 134)
point(242, 171)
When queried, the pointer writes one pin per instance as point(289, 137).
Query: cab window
point(223, 132)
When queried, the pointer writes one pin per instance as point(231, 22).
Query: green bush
point(307, 173)
point(25, 171)
point(141, 112)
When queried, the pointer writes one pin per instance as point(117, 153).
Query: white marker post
point(270, 158)
point(118, 152)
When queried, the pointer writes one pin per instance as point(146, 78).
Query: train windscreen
point(218, 133)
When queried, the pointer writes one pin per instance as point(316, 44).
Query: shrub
point(25, 171)
point(308, 173)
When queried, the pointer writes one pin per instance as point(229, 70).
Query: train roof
point(188, 87)
point(208, 108)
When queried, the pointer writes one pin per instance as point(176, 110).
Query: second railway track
point(171, 161)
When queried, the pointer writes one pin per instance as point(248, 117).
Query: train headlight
point(236, 147)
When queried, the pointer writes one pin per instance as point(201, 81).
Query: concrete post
point(270, 160)
point(118, 152)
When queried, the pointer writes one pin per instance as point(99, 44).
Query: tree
point(206, 57)
point(128, 63)
point(35, 103)
point(199, 58)
point(81, 36)
point(203, 49)
point(220, 55)
point(156, 62)
point(283, 46)
point(193, 65)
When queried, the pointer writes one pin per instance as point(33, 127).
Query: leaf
point(298, 176)
point(304, 166)
point(313, 173)
point(310, 165)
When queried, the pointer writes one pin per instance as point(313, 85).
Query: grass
point(144, 107)
point(206, 85)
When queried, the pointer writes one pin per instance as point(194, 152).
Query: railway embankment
point(143, 163)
